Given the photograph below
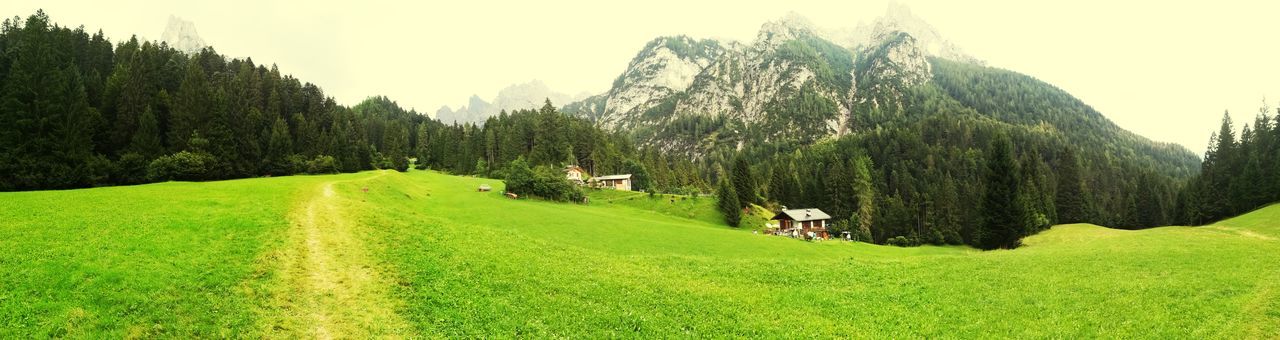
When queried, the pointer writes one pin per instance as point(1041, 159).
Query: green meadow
point(423, 254)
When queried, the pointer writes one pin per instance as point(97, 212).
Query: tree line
point(81, 112)
point(1239, 173)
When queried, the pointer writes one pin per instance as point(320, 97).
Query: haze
point(1164, 71)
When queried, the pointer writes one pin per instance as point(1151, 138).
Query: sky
point(1164, 70)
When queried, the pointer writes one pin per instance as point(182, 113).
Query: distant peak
point(899, 18)
point(898, 10)
point(788, 27)
point(181, 35)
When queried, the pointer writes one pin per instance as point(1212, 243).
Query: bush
point(401, 164)
point(900, 241)
point(543, 182)
point(297, 164)
point(181, 166)
point(322, 164)
point(131, 168)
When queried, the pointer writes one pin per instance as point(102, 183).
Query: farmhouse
point(615, 182)
point(802, 222)
point(576, 174)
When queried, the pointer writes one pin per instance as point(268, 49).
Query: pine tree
point(1070, 200)
point(279, 150)
point(1220, 166)
point(780, 185)
point(191, 106)
point(146, 139)
point(422, 151)
point(864, 199)
point(728, 202)
point(48, 128)
point(744, 184)
point(397, 141)
point(1002, 226)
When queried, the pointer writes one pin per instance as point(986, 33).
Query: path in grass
point(328, 285)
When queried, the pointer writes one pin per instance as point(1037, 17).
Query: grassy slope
point(220, 259)
point(169, 258)
point(478, 264)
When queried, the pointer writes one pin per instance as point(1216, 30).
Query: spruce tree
point(728, 202)
point(780, 185)
point(864, 199)
point(278, 151)
point(422, 151)
point(743, 182)
point(1070, 201)
point(146, 140)
point(1002, 223)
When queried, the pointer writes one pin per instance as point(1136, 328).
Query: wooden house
point(576, 174)
point(805, 223)
point(615, 182)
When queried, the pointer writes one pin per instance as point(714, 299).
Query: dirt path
point(328, 286)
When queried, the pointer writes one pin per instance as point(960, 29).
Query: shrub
point(297, 164)
point(900, 241)
point(401, 164)
point(181, 166)
point(131, 168)
point(543, 182)
point(322, 164)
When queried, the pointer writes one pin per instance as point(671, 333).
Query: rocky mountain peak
point(666, 66)
point(181, 35)
point(789, 27)
point(899, 18)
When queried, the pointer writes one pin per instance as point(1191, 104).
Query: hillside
point(423, 254)
point(798, 99)
point(798, 83)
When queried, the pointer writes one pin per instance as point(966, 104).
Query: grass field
point(425, 254)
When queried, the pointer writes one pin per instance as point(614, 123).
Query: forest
point(1239, 174)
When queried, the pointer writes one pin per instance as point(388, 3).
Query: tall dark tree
point(396, 146)
point(1002, 225)
point(783, 183)
point(48, 124)
point(279, 150)
point(192, 105)
point(744, 183)
point(1070, 197)
point(727, 201)
point(146, 140)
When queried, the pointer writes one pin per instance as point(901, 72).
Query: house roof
point(812, 214)
point(611, 177)
point(575, 168)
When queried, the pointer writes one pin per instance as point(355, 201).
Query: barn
point(616, 182)
point(802, 222)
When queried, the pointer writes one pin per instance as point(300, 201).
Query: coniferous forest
point(957, 165)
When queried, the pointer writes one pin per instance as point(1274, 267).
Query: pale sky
point(1165, 71)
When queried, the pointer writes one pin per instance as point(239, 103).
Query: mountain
point(530, 95)
point(181, 35)
point(797, 83)
point(898, 18)
point(791, 78)
point(664, 68)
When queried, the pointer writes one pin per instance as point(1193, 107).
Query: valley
point(422, 254)
point(791, 180)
